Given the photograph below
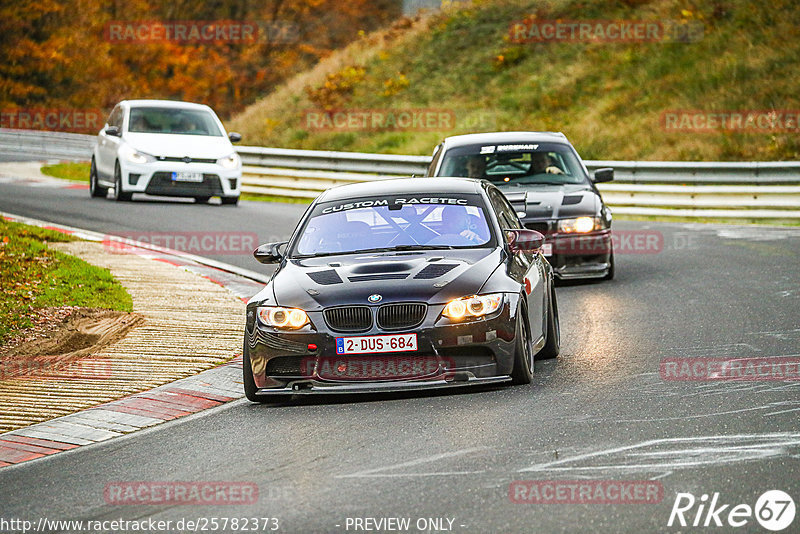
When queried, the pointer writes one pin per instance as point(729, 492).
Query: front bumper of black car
point(447, 355)
point(577, 256)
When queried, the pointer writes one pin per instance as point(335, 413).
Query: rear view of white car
point(163, 147)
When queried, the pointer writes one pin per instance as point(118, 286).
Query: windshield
point(173, 121)
point(515, 164)
point(387, 224)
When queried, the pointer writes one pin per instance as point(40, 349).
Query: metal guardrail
point(737, 190)
point(34, 144)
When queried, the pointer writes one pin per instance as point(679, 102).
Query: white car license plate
point(187, 177)
point(376, 344)
point(547, 249)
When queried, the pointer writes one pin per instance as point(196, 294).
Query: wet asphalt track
point(601, 411)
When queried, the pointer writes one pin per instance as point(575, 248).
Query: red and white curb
point(183, 397)
point(187, 396)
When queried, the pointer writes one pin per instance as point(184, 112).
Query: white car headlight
point(134, 156)
point(580, 225)
point(473, 306)
point(284, 318)
point(230, 161)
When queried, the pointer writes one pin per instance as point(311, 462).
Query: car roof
point(402, 186)
point(493, 138)
point(164, 104)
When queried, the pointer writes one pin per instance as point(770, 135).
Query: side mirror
point(521, 239)
point(113, 131)
point(269, 252)
point(606, 174)
point(234, 137)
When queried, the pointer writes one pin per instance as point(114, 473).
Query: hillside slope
point(609, 98)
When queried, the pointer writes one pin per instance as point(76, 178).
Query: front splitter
point(322, 388)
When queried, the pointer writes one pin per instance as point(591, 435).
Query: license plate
point(547, 249)
point(187, 177)
point(376, 344)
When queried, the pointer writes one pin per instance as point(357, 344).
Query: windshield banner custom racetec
point(394, 222)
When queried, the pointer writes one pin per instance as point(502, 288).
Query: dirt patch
point(60, 336)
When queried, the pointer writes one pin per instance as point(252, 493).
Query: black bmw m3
point(548, 184)
point(401, 284)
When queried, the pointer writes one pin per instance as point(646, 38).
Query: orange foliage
point(57, 54)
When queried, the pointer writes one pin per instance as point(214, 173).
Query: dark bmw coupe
point(401, 284)
point(550, 188)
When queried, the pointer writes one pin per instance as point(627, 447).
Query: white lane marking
point(682, 452)
point(412, 463)
point(714, 414)
point(662, 475)
point(782, 411)
point(401, 475)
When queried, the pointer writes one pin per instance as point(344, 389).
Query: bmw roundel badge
point(374, 298)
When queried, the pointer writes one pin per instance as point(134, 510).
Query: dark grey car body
point(542, 206)
point(398, 291)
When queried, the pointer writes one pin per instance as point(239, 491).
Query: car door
point(525, 266)
point(107, 145)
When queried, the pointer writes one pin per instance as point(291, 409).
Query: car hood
point(553, 201)
point(170, 145)
point(429, 276)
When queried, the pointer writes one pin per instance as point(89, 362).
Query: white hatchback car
point(164, 147)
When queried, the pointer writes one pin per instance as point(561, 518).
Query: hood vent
point(325, 278)
point(435, 271)
point(371, 277)
point(571, 199)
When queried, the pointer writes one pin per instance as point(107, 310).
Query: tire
point(201, 200)
point(610, 274)
point(119, 196)
point(523, 360)
point(250, 384)
point(229, 201)
point(95, 191)
point(552, 345)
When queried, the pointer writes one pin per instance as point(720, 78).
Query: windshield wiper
point(399, 248)
point(541, 183)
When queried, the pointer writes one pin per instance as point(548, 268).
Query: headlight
point(280, 317)
point(580, 225)
point(229, 162)
point(134, 156)
point(474, 306)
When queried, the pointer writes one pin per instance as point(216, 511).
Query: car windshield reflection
point(380, 229)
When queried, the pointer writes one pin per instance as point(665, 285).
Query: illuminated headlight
point(134, 156)
point(474, 306)
point(280, 317)
point(229, 162)
point(580, 225)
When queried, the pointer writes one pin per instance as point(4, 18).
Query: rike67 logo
point(774, 511)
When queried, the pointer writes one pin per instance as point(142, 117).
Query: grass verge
point(272, 198)
point(77, 172)
point(609, 98)
point(33, 276)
